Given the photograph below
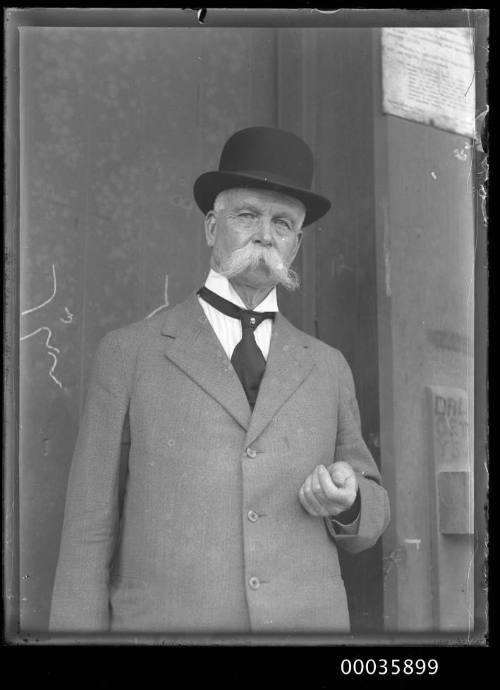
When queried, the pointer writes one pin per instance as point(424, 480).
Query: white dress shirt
point(227, 329)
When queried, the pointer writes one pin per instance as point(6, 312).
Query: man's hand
point(329, 491)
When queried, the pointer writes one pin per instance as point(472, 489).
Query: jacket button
point(252, 516)
point(254, 582)
point(251, 452)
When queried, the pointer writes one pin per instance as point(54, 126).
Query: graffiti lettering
point(451, 425)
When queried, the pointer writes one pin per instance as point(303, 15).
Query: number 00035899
point(393, 667)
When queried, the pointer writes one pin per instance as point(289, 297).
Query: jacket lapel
point(192, 345)
point(288, 364)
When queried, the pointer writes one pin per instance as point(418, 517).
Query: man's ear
point(210, 228)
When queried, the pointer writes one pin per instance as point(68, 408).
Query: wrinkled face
point(255, 235)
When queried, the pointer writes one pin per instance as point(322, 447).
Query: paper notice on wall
point(428, 76)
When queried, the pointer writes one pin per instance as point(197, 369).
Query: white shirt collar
point(222, 287)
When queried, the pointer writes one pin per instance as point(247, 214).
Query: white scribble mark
point(52, 350)
point(387, 251)
point(433, 175)
point(162, 306)
point(43, 304)
point(69, 315)
point(468, 596)
point(51, 372)
point(417, 542)
point(165, 304)
point(165, 291)
point(47, 343)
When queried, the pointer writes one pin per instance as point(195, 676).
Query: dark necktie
point(247, 358)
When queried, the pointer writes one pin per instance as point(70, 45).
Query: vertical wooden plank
point(13, 208)
point(324, 95)
point(480, 331)
point(345, 259)
point(425, 260)
point(290, 59)
point(309, 118)
point(393, 552)
point(52, 81)
point(261, 76)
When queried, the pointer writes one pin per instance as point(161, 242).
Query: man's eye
point(284, 224)
point(246, 215)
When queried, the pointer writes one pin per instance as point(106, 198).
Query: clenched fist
point(329, 491)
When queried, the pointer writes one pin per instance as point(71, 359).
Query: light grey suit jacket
point(197, 527)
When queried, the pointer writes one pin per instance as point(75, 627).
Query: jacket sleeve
point(350, 447)
point(80, 600)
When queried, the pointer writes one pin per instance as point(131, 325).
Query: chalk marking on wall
point(47, 301)
point(165, 294)
point(387, 251)
point(69, 315)
point(416, 542)
point(51, 371)
point(51, 350)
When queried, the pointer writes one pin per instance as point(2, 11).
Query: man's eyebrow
point(247, 207)
point(256, 209)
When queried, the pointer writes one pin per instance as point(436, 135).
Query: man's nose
point(264, 234)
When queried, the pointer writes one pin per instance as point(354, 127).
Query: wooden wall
point(116, 125)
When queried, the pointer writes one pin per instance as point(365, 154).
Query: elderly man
point(220, 464)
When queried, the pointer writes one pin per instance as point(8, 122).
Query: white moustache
point(250, 256)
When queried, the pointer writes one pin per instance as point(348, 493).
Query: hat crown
point(263, 158)
point(270, 153)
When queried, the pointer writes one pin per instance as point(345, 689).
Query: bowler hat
point(264, 158)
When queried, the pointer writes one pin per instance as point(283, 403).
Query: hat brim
point(210, 184)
